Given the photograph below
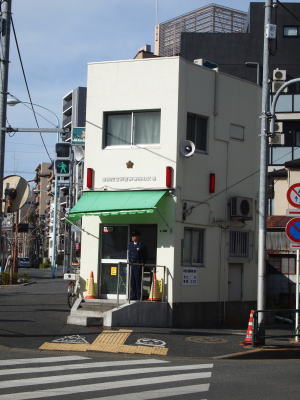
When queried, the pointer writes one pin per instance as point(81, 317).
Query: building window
point(193, 247)
point(283, 264)
point(197, 131)
point(132, 128)
point(239, 244)
point(291, 31)
point(237, 132)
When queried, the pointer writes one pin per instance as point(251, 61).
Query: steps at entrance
point(91, 312)
point(102, 312)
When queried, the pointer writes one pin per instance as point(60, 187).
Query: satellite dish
point(187, 148)
point(15, 193)
point(78, 153)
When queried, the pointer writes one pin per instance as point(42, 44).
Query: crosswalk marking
point(68, 367)
point(180, 380)
point(63, 391)
point(101, 374)
point(159, 393)
point(40, 360)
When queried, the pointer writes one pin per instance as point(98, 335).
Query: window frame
point(193, 139)
point(238, 244)
point(279, 259)
point(201, 248)
point(131, 113)
point(291, 26)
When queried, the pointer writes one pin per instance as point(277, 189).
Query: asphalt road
point(193, 369)
point(31, 374)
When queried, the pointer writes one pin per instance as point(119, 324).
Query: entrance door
point(235, 282)
point(114, 244)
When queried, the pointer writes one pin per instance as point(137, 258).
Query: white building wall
point(176, 87)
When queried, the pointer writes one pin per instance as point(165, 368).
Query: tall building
point(74, 109)
point(211, 18)
point(74, 116)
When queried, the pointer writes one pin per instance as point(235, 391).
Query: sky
point(57, 39)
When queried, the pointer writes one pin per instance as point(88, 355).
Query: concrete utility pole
point(261, 295)
point(4, 61)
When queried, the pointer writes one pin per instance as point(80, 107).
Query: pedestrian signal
point(63, 150)
point(62, 167)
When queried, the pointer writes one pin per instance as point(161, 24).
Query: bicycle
point(73, 287)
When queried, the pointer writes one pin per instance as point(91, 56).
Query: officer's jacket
point(136, 252)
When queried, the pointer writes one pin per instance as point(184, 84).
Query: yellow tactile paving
point(111, 341)
point(64, 346)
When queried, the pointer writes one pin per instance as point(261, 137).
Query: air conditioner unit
point(276, 85)
point(278, 127)
point(241, 208)
point(279, 74)
point(277, 140)
point(206, 63)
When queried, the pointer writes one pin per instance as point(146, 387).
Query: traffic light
point(62, 167)
point(63, 150)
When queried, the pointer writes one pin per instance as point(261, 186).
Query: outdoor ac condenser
point(241, 208)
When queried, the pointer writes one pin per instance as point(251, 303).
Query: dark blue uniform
point(136, 254)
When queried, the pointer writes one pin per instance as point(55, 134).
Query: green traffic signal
point(62, 167)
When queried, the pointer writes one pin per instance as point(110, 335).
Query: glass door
point(114, 244)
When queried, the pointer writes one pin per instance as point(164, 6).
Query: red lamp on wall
point(89, 178)
point(212, 183)
point(169, 177)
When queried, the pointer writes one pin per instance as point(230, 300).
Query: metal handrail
point(257, 336)
point(143, 266)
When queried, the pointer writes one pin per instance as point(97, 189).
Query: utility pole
point(5, 40)
point(261, 295)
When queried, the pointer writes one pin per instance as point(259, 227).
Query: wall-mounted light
point(212, 183)
point(169, 177)
point(89, 178)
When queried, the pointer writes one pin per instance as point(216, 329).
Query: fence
point(281, 323)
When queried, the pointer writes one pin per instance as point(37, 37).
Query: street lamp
point(12, 101)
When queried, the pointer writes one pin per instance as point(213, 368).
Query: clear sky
point(57, 39)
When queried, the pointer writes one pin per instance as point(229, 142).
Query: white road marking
point(19, 361)
point(68, 367)
point(64, 391)
point(159, 393)
point(101, 374)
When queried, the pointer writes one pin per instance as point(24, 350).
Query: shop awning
point(115, 203)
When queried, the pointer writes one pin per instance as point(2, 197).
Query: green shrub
point(16, 278)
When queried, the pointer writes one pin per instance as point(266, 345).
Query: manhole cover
point(205, 339)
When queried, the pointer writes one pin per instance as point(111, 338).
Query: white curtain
point(147, 127)
point(118, 129)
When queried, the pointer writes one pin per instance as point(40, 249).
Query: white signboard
point(189, 276)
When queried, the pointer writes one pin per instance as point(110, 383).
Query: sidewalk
point(31, 315)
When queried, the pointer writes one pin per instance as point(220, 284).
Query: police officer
point(136, 255)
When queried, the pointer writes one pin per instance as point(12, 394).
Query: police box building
point(171, 162)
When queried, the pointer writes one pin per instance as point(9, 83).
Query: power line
point(27, 87)
point(288, 11)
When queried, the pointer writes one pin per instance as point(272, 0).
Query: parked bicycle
point(73, 286)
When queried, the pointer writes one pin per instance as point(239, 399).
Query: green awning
point(115, 203)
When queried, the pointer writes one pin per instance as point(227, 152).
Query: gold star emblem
point(129, 164)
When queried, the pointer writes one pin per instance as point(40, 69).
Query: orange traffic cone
point(155, 292)
point(90, 287)
point(249, 334)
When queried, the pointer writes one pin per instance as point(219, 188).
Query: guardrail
point(281, 322)
point(153, 270)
